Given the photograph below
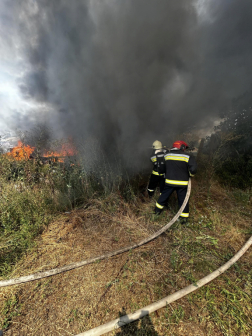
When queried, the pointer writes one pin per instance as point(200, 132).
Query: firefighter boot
point(157, 211)
point(182, 220)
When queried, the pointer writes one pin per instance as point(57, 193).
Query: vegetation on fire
point(54, 213)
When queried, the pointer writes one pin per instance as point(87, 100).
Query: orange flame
point(66, 150)
point(21, 151)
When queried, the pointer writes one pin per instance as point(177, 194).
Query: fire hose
point(58, 270)
point(126, 319)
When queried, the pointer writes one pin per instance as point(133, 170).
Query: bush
point(31, 193)
point(235, 172)
point(23, 214)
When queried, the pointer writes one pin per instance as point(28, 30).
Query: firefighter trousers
point(155, 181)
point(181, 194)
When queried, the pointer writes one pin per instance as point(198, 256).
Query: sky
point(122, 72)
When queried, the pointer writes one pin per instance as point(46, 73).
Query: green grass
point(228, 308)
point(10, 310)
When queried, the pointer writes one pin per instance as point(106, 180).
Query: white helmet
point(157, 145)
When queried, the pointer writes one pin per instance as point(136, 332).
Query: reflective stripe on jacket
point(179, 166)
point(156, 173)
point(153, 159)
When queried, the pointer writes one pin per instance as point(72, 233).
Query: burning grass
point(21, 152)
point(72, 302)
point(26, 152)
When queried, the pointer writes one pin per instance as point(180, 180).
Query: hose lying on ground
point(126, 319)
point(78, 264)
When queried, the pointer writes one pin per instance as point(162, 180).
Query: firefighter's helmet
point(180, 145)
point(157, 145)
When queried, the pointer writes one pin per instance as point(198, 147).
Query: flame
point(66, 150)
point(21, 152)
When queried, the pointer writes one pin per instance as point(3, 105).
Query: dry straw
point(69, 267)
point(126, 319)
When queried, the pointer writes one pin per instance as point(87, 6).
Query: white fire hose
point(78, 264)
point(126, 319)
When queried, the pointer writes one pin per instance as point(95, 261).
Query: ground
point(75, 301)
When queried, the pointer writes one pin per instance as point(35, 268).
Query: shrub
point(30, 194)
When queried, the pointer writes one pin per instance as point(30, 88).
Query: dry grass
point(78, 300)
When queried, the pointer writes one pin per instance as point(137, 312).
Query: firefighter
point(179, 167)
point(158, 172)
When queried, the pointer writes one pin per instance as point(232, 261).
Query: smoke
point(129, 72)
point(225, 41)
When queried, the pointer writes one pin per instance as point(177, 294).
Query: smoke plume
point(129, 72)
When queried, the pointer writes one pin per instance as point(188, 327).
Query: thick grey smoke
point(226, 52)
point(132, 71)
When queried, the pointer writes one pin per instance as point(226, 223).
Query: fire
point(24, 152)
point(21, 151)
point(66, 150)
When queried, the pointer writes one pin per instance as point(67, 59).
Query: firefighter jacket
point(160, 153)
point(179, 167)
